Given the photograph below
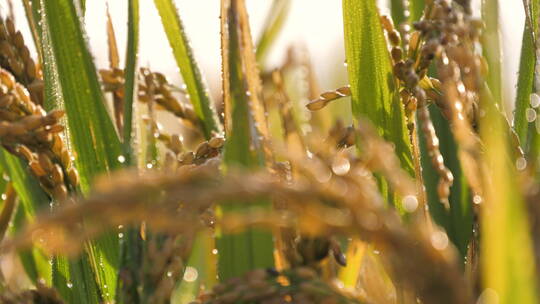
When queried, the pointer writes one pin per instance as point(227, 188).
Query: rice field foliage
point(272, 191)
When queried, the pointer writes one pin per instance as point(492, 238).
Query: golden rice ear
point(15, 57)
point(33, 134)
point(327, 97)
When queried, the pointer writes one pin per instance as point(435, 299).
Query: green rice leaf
point(203, 261)
point(525, 83)
point(416, 9)
point(32, 198)
point(507, 251)
point(251, 248)
point(370, 76)
point(131, 75)
point(94, 139)
point(185, 60)
point(491, 46)
point(397, 11)
point(74, 280)
point(273, 25)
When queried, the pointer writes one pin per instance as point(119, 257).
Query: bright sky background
point(317, 24)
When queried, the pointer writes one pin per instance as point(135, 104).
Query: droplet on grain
point(477, 199)
point(121, 159)
point(410, 203)
point(521, 163)
point(439, 240)
point(488, 296)
point(69, 285)
point(530, 114)
point(535, 100)
point(341, 166)
point(191, 274)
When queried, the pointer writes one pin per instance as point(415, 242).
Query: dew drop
point(530, 114)
point(377, 252)
point(214, 251)
point(121, 159)
point(341, 166)
point(169, 274)
point(439, 240)
point(477, 199)
point(461, 88)
point(120, 235)
point(410, 203)
point(149, 165)
point(488, 296)
point(4, 196)
point(69, 284)
point(521, 163)
point(535, 100)
point(190, 274)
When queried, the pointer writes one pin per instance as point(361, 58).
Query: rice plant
point(429, 194)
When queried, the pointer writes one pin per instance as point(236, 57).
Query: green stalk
point(198, 92)
point(491, 46)
point(526, 78)
point(32, 198)
point(131, 76)
point(374, 94)
point(251, 248)
point(94, 140)
point(273, 25)
point(507, 252)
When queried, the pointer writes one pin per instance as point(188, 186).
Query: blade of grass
point(32, 198)
point(35, 262)
point(252, 248)
point(507, 256)
point(95, 141)
point(189, 69)
point(397, 10)
point(350, 274)
point(525, 83)
point(203, 261)
point(132, 245)
point(416, 9)
point(73, 279)
point(370, 76)
point(491, 47)
point(8, 208)
point(273, 25)
point(92, 133)
point(131, 76)
point(32, 17)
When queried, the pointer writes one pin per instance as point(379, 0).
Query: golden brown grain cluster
point(15, 57)
point(28, 131)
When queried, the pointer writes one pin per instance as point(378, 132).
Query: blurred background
point(315, 24)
